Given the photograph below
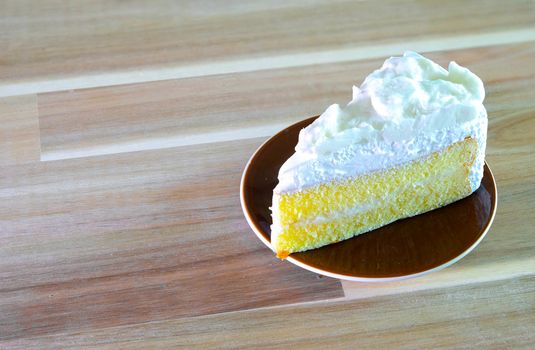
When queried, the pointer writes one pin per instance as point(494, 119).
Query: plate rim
point(296, 262)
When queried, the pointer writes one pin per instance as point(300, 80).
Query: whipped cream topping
point(407, 109)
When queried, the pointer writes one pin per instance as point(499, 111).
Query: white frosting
point(406, 110)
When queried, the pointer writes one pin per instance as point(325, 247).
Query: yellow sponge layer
point(331, 212)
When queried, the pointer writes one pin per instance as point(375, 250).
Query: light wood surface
point(19, 130)
point(120, 222)
point(497, 315)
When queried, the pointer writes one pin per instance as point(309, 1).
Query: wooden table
point(124, 130)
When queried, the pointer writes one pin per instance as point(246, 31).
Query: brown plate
point(403, 249)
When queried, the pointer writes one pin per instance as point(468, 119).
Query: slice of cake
point(411, 140)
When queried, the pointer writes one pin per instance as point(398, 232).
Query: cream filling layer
point(371, 205)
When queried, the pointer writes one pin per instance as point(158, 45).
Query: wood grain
point(99, 230)
point(49, 40)
point(19, 130)
point(162, 230)
point(120, 222)
point(179, 112)
point(497, 315)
